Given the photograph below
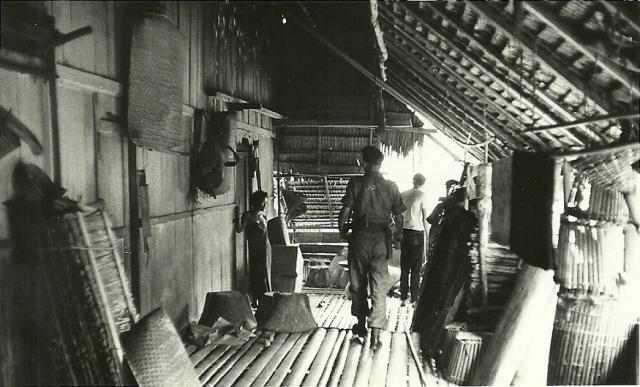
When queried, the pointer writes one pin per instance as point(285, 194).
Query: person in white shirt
point(413, 237)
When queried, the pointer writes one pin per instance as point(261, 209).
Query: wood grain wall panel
point(91, 52)
point(77, 143)
point(110, 151)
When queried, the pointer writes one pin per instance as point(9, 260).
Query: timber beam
point(533, 92)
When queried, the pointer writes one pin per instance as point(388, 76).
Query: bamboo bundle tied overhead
point(503, 354)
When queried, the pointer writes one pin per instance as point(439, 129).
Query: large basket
point(459, 353)
point(589, 335)
point(590, 255)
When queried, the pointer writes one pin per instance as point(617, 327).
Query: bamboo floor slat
point(327, 356)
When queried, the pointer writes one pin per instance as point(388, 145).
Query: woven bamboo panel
point(158, 52)
point(589, 335)
point(82, 291)
point(590, 255)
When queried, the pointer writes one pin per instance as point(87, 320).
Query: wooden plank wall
point(193, 245)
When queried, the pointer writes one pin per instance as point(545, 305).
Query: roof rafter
point(554, 22)
point(550, 63)
point(431, 93)
point(423, 75)
point(495, 78)
point(541, 95)
point(423, 46)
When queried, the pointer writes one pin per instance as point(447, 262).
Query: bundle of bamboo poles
point(501, 267)
point(590, 255)
point(90, 299)
point(589, 335)
point(459, 352)
point(607, 205)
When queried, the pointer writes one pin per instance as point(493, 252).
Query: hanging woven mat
point(158, 52)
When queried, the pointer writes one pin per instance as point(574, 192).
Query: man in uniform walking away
point(368, 205)
point(412, 254)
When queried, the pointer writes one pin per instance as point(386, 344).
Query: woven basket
point(590, 255)
point(589, 335)
point(158, 52)
point(459, 353)
point(89, 297)
point(156, 354)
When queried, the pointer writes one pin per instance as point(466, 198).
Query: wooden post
point(503, 354)
point(484, 210)
point(535, 365)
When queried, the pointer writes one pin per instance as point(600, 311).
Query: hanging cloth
point(531, 212)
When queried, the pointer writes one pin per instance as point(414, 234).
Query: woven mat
point(158, 52)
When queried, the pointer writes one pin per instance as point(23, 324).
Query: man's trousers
point(368, 266)
point(411, 257)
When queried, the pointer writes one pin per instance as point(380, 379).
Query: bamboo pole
point(302, 363)
point(397, 360)
point(326, 372)
point(256, 367)
point(484, 209)
point(269, 368)
point(505, 350)
point(281, 372)
point(351, 364)
point(320, 361)
point(336, 371)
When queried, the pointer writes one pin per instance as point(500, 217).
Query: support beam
point(548, 100)
point(419, 73)
point(441, 94)
point(426, 46)
point(550, 63)
point(589, 120)
point(631, 20)
point(537, 9)
point(454, 123)
point(406, 57)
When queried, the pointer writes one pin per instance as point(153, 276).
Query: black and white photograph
point(324, 193)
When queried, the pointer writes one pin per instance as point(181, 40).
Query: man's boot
point(359, 329)
point(375, 339)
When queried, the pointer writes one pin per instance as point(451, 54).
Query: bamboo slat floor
point(326, 356)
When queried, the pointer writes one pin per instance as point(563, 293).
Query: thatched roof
point(485, 69)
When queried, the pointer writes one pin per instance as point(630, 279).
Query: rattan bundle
point(89, 298)
point(589, 335)
point(460, 350)
point(610, 169)
point(590, 255)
